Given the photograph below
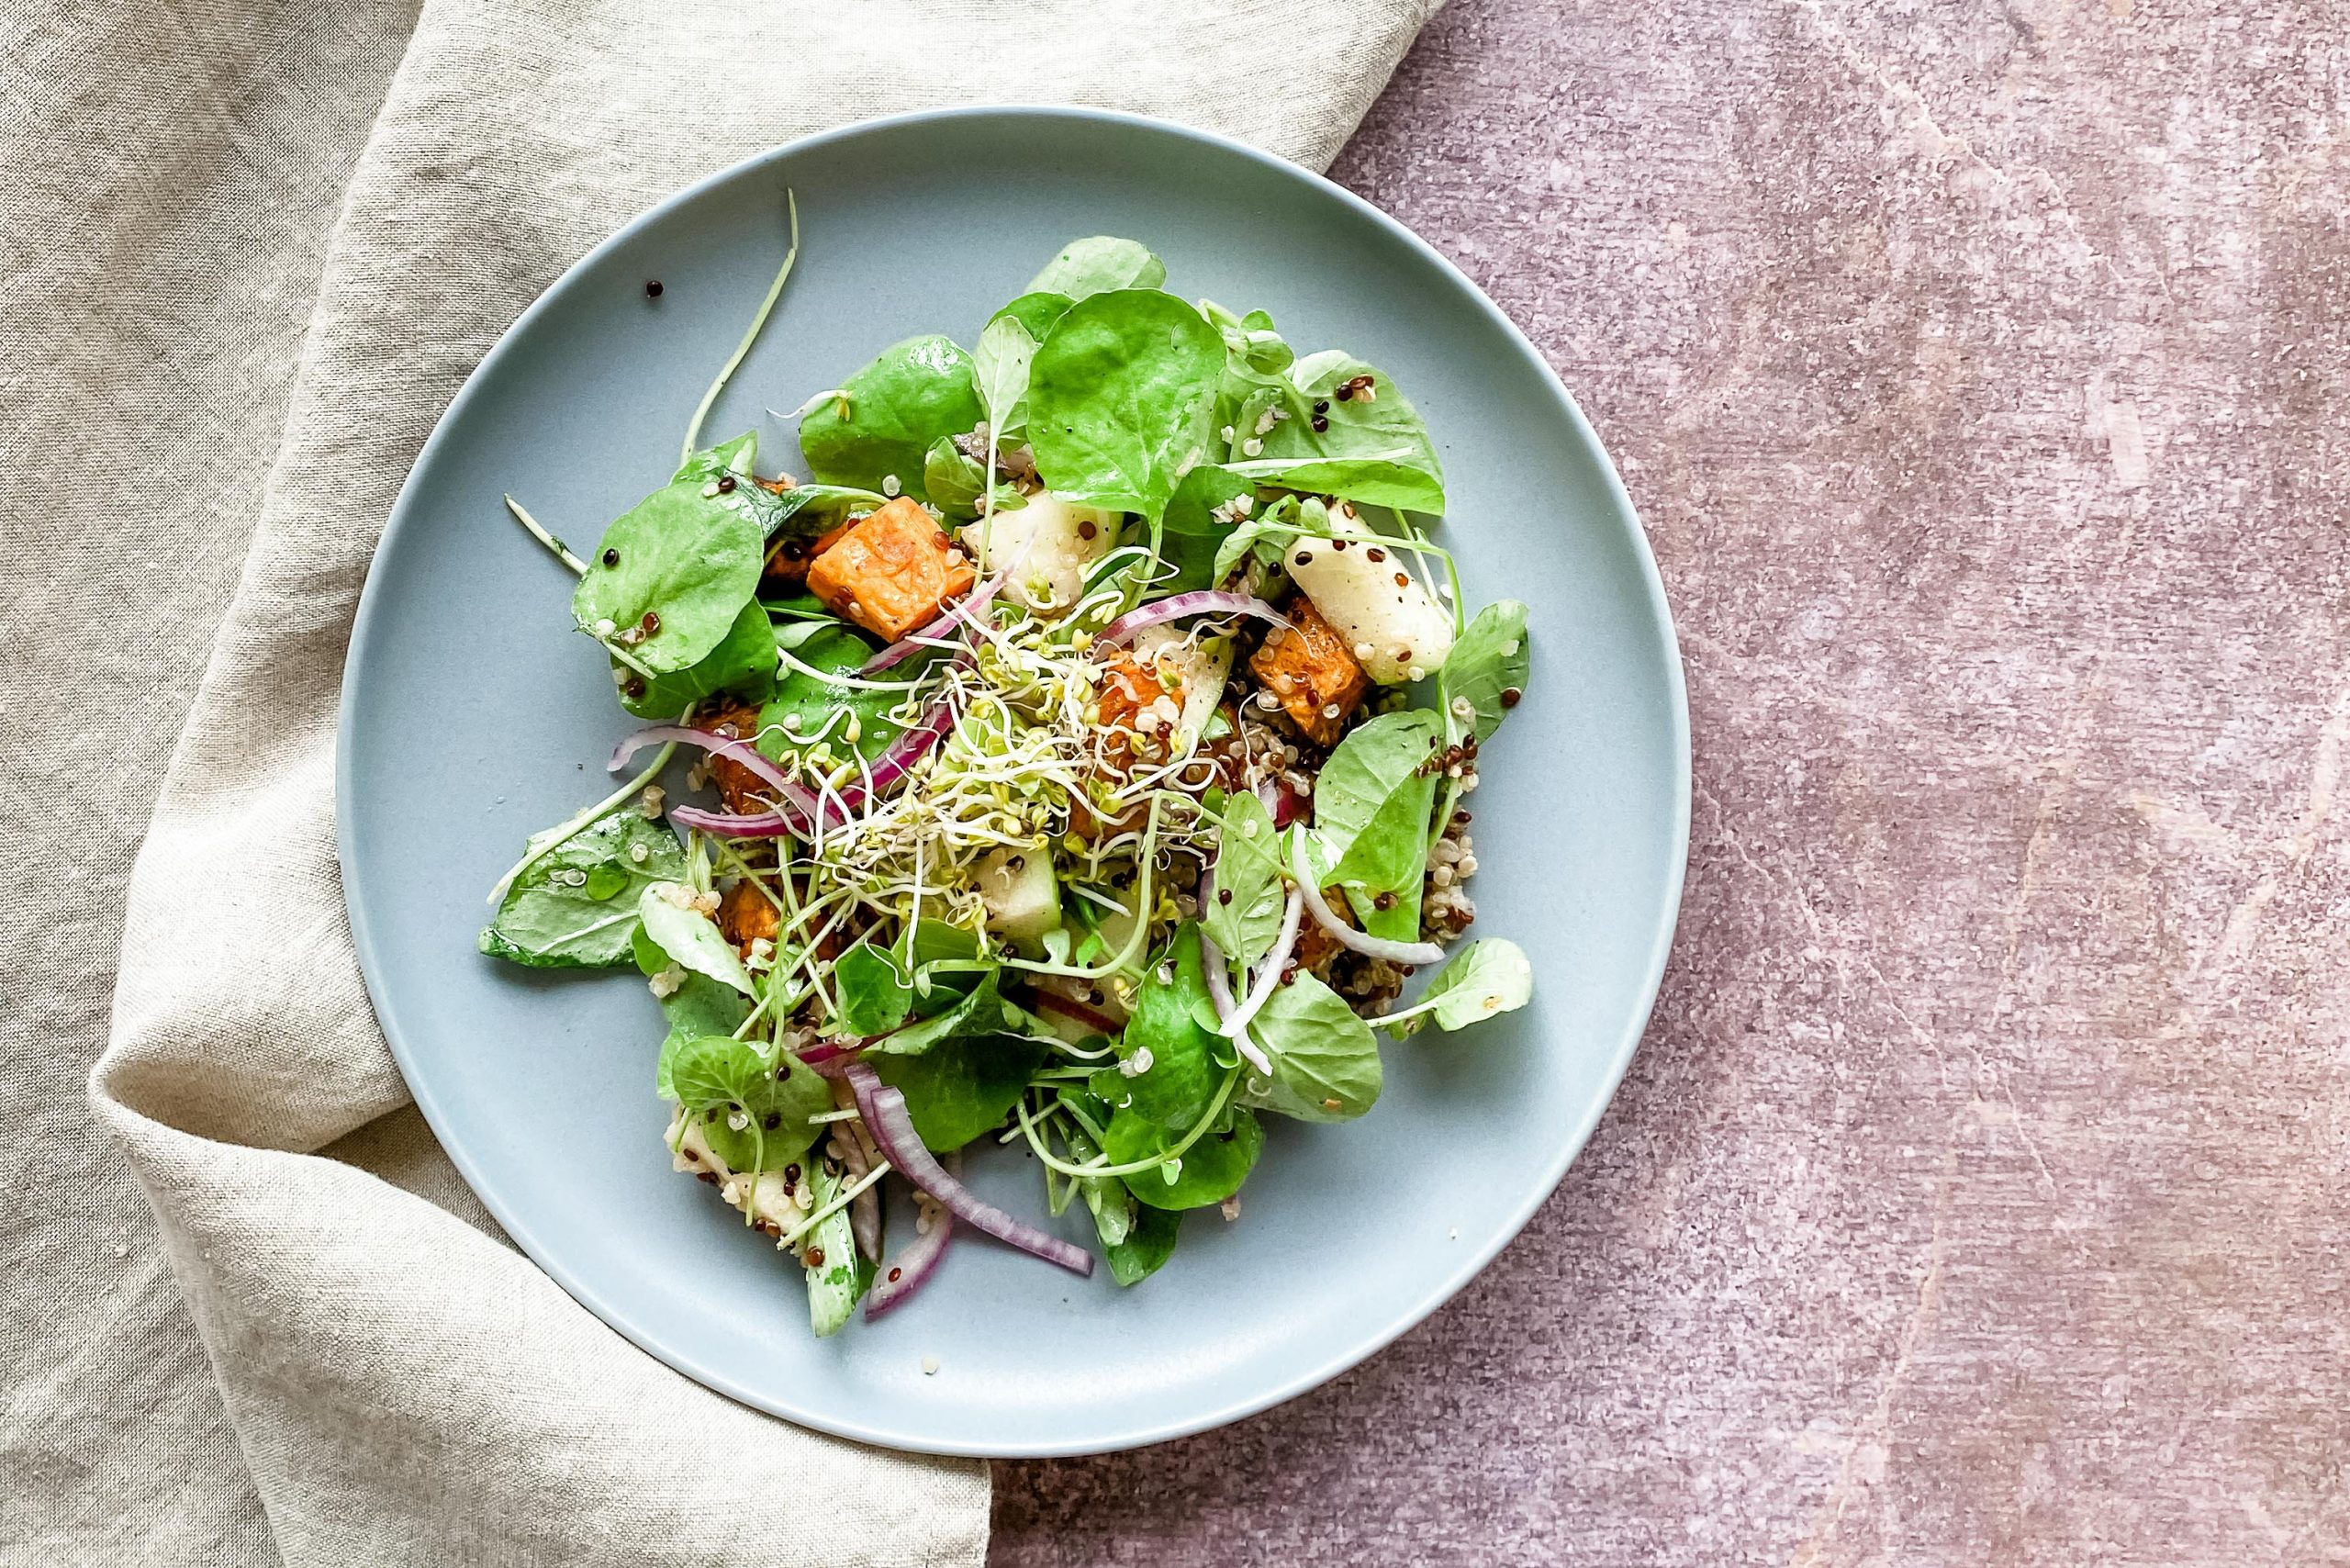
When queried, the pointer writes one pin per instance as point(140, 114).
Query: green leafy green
point(1087, 267)
point(953, 481)
point(1489, 666)
point(683, 559)
point(772, 1093)
point(575, 907)
point(1149, 1241)
point(1372, 800)
point(691, 939)
point(742, 664)
point(1007, 348)
point(733, 457)
point(1192, 533)
point(1173, 1083)
point(803, 704)
point(1373, 481)
point(698, 1006)
point(983, 1012)
point(1245, 916)
point(1325, 1057)
point(961, 1088)
point(912, 393)
point(1209, 1171)
point(838, 1276)
point(874, 992)
point(1120, 396)
point(1374, 444)
point(1487, 977)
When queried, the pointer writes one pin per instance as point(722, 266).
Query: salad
point(1079, 756)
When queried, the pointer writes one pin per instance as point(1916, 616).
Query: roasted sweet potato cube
point(745, 914)
point(893, 573)
point(790, 556)
point(1311, 672)
point(740, 789)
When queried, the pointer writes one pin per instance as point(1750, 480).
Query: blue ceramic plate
point(472, 715)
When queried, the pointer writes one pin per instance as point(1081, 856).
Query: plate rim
point(371, 609)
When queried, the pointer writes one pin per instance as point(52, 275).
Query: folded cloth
point(403, 1386)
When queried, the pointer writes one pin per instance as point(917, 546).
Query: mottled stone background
point(1978, 1194)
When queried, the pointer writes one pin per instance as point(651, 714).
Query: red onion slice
point(884, 1111)
point(791, 792)
point(1207, 601)
point(1355, 941)
point(1279, 803)
point(726, 824)
point(915, 1265)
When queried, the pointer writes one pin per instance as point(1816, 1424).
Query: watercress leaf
point(743, 663)
point(1119, 398)
point(1211, 1170)
point(1037, 310)
point(1007, 347)
point(1488, 666)
point(808, 510)
point(1245, 915)
point(874, 992)
point(912, 393)
point(837, 1273)
point(804, 704)
point(1173, 1084)
point(1373, 482)
point(1148, 1242)
point(698, 1006)
point(1325, 1057)
point(1087, 267)
point(575, 907)
point(691, 939)
point(1106, 1198)
point(1371, 800)
point(717, 1080)
point(1191, 534)
point(681, 558)
point(953, 481)
point(960, 1089)
point(1487, 977)
point(1373, 446)
point(733, 457)
point(983, 1012)
point(1398, 920)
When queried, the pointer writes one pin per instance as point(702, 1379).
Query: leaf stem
point(561, 551)
point(759, 321)
point(565, 830)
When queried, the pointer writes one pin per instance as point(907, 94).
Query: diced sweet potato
point(740, 791)
point(744, 914)
point(891, 572)
point(1311, 672)
point(789, 557)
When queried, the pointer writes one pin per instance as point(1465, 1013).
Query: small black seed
point(652, 621)
point(772, 1120)
point(726, 484)
point(1512, 696)
point(611, 557)
point(653, 288)
point(1320, 422)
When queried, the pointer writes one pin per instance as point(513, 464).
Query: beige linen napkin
point(404, 1387)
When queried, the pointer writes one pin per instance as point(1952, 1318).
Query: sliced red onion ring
point(884, 1111)
point(1347, 937)
point(791, 792)
point(1279, 803)
point(1268, 974)
point(1207, 601)
point(916, 1263)
point(1219, 980)
point(726, 824)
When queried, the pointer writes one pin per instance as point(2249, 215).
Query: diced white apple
point(1061, 541)
point(1363, 587)
point(1021, 895)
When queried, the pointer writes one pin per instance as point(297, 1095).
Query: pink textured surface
point(1979, 1195)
